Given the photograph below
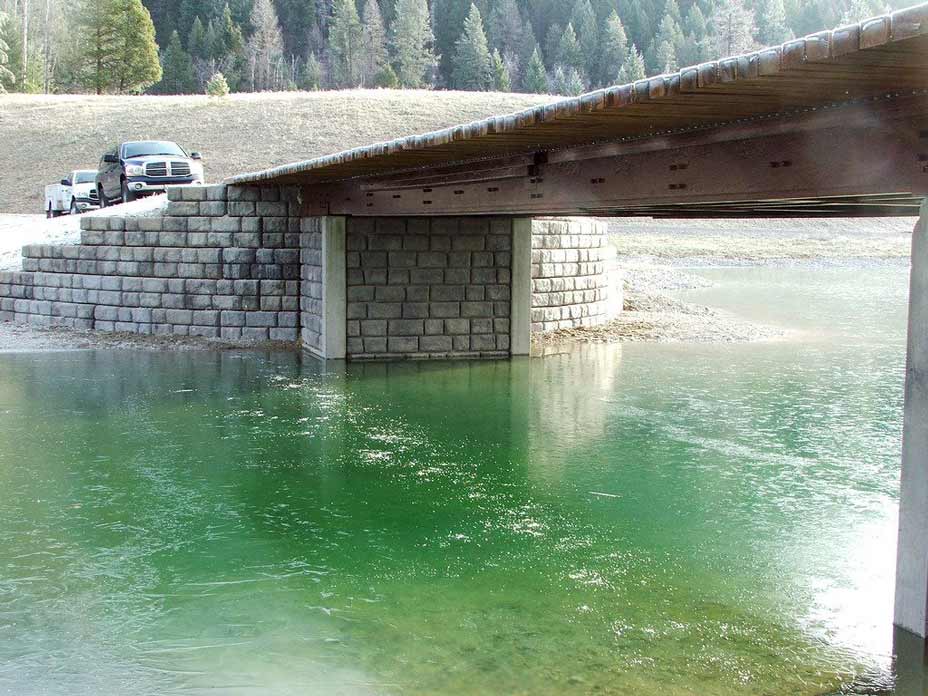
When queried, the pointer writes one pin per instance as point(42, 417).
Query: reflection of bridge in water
point(833, 124)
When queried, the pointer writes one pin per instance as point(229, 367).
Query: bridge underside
point(865, 158)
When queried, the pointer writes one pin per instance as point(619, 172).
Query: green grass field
point(44, 137)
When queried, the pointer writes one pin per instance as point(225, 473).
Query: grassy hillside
point(43, 137)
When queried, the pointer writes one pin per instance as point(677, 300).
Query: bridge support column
point(911, 609)
point(521, 291)
point(322, 287)
point(334, 336)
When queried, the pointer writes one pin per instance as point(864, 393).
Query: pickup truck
point(74, 194)
point(143, 167)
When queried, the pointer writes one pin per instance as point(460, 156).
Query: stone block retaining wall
point(222, 263)
point(570, 281)
point(428, 287)
point(239, 263)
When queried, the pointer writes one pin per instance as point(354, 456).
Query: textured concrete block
point(447, 293)
point(402, 344)
point(384, 310)
point(212, 208)
point(283, 334)
point(405, 327)
point(435, 344)
point(183, 208)
point(390, 293)
point(179, 316)
point(415, 310)
point(261, 319)
point(443, 310)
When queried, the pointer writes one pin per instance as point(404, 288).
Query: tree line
point(541, 46)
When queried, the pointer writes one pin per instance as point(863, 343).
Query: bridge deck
point(867, 63)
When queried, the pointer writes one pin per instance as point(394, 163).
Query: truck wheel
point(102, 196)
point(74, 210)
point(49, 214)
point(127, 195)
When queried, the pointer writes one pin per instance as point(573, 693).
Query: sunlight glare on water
point(637, 519)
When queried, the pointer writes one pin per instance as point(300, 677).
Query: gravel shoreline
point(654, 255)
point(651, 315)
point(23, 338)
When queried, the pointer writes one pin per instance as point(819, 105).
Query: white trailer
point(74, 194)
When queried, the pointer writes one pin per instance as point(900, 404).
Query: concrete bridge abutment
point(243, 263)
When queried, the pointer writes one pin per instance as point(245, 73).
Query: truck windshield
point(152, 147)
point(84, 177)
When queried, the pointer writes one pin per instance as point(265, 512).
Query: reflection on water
point(637, 519)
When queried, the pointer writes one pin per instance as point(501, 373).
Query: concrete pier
point(911, 608)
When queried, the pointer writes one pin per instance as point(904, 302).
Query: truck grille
point(156, 169)
point(180, 169)
point(93, 195)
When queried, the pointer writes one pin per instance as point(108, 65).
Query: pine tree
point(583, 21)
point(473, 69)
point(212, 42)
point(217, 86)
point(447, 17)
point(697, 46)
point(567, 81)
point(733, 28)
point(136, 64)
point(6, 76)
point(613, 47)
point(502, 82)
point(96, 25)
point(672, 10)
point(771, 23)
point(663, 52)
point(535, 80)
point(299, 18)
point(386, 78)
point(638, 24)
point(177, 69)
point(312, 74)
point(505, 29)
point(229, 34)
point(857, 10)
point(632, 67)
point(665, 58)
point(17, 63)
point(569, 52)
point(412, 43)
point(345, 51)
point(265, 47)
point(196, 41)
point(552, 43)
point(374, 42)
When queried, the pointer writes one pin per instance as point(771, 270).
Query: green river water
point(636, 519)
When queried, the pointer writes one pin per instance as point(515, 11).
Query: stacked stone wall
point(570, 279)
point(239, 263)
point(222, 262)
point(428, 288)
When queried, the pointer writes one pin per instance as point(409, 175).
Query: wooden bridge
point(832, 124)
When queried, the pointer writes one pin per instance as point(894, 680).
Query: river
point(621, 519)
